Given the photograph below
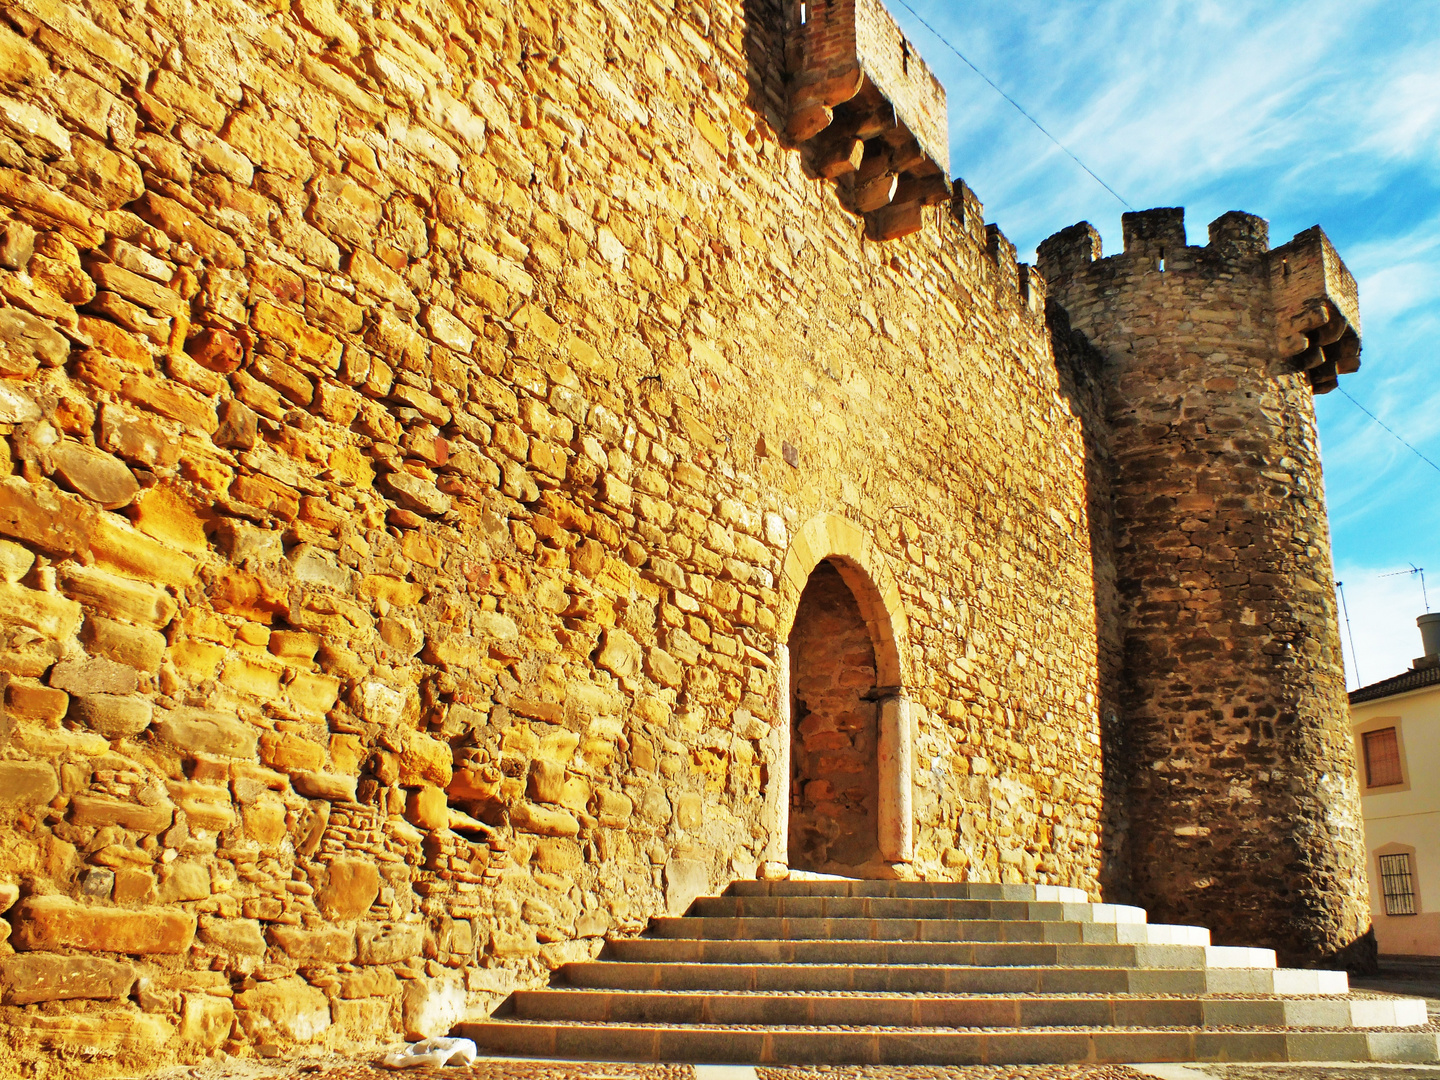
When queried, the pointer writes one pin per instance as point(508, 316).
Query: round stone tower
point(1244, 807)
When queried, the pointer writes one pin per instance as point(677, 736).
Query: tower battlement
point(1312, 303)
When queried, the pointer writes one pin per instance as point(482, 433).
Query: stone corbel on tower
point(867, 113)
point(1317, 310)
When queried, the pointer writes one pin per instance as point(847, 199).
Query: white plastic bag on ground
point(433, 1052)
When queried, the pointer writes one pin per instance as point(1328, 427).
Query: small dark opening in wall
point(804, 13)
point(905, 56)
point(1162, 260)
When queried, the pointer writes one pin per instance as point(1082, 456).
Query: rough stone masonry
point(420, 422)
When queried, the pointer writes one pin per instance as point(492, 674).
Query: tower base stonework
point(1242, 802)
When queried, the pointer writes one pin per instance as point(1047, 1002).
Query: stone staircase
point(909, 973)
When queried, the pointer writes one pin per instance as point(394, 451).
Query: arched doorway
point(867, 599)
point(834, 729)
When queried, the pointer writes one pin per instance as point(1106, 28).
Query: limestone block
point(239, 936)
point(685, 879)
point(27, 699)
point(25, 785)
point(543, 820)
point(31, 977)
point(313, 695)
point(94, 474)
point(424, 760)
point(116, 597)
point(129, 551)
point(16, 406)
point(431, 1006)
point(207, 731)
point(507, 946)
point(475, 785)
point(54, 617)
point(351, 886)
point(264, 819)
point(373, 982)
point(289, 1009)
point(402, 635)
point(15, 561)
point(690, 811)
point(206, 1020)
point(388, 943)
point(102, 1031)
point(184, 880)
point(133, 646)
point(101, 810)
point(289, 752)
point(380, 704)
point(112, 715)
point(619, 653)
point(134, 885)
point(426, 808)
point(663, 668)
point(54, 922)
point(93, 676)
point(171, 517)
point(361, 1019)
point(328, 944)
point(547, 781)
point(328, 786)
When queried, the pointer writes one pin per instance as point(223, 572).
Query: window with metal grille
point(1382, 758)
point(1396, 883)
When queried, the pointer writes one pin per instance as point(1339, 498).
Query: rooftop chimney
point(1430, 637)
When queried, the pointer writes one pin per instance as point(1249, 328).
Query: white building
point(1396, 725)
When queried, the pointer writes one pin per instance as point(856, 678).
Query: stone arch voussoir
point(862, 565)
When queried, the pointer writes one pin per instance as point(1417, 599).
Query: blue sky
point(1323, 112)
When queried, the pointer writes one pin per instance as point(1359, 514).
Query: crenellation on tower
point(1153, 233)
point(1238, 233)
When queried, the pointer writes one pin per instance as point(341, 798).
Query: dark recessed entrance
point(834, 781)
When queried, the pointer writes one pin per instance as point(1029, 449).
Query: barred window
point(1382, 758)
point(1397, 884)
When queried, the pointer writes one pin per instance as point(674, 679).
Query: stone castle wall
point(416, 430)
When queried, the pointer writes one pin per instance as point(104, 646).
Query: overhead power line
point(1018, 107)
point(1388, 428)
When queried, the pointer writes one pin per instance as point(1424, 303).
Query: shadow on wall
point(765, 60)
point(1080, 368)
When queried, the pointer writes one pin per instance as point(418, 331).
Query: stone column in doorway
point(895, 810)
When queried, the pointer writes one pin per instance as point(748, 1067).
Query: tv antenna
point(1413, 572)
point(1355, 660)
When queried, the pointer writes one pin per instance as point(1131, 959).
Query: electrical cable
point(1018, 107)
point(1384, 425)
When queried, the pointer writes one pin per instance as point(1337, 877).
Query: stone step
point(929, 978)
point(893, 907)
point(960, 1011)
point(928, 929)
point(955, 953)
point(944, 890)
point(790, 1044)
